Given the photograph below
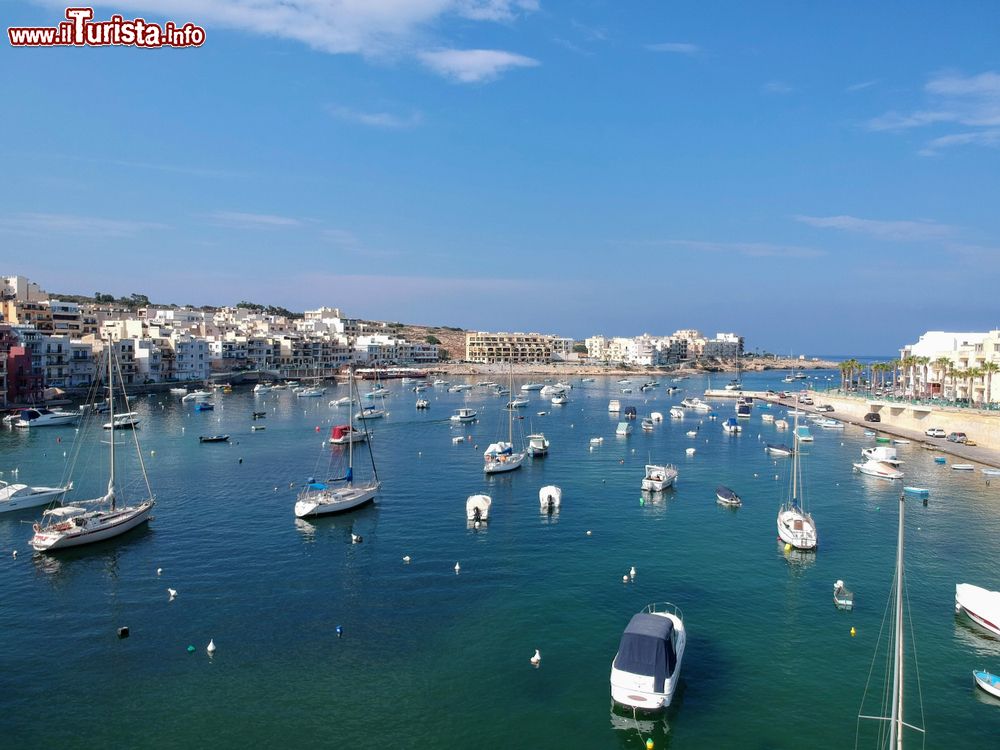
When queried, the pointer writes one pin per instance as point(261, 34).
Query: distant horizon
point(793, 175)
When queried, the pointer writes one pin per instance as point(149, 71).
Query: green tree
point(432, 339)
point(580, 349)
point(988, 368)
point(444, 354)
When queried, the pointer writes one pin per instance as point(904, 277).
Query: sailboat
point(795, 526)
point(891, 731)
point(340, 494)
point(73, 525)
point(501, 456)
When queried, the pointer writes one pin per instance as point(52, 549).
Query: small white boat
point(843, 598)
point(538, 444)
point(646, 670)
point(564, 386)
point(963, 467)
point(440, 382)
point(988, 682)
point(477, 508)
point(259, 390)
point(882, 453)
point(692, 433)
point(878, 469)
point(197, 396)
point(180, 391)
point(463, 415)
point(657, 416)
point(309, 392)
point(626, 390)
point(614, 406)
point(552, 390)
point(830, 424)
point(423, 403)
point(129, 419)
point(559, 399)
point(725, 496)
point(343, 434)
point(777, 449)
point(370, 412)
point(900, 441)
point(802, 434)
point(731, 426)
point(689, 451)
point(991, 472)
point(550, 498)
point(981, 605)
point(518, 402)
point(659, 477)
point(624, 380)
point(781, 424)
point(624, 429)
point(596, 440)
point(647, 424)
point(20, 496)
point(676, 412)
point(532, 386)
point(586, 380)
point(767, 418)
point(340, 401)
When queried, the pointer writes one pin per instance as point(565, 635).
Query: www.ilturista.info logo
point(80, 30)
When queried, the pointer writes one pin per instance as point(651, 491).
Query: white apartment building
point(148, 361)
point(67, 319)
point(949, 356)
point(189, 357)
point(518, 348)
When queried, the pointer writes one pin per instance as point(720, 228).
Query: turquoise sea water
point(431, 659)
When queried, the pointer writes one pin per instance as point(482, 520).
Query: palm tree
point(988, 369)
point(923, 362)
point(973, 373)
point(843, 366)
point(942, 364)
point(895, 369)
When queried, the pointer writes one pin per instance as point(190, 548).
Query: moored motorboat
point(343, 434)
point(963, 467)
point(423, 403)
point(532, 386)
point(647, 424)
point(538, 444)
point(624, 429)
point(878, 469)
point(477, 508)
point(129, 419)
point(778, 449)
point(20, 496)
point(981, 605)
point(550, 498)
point(676, 412)
point(731, 426)
point(987, 682)
point(463, 415)
point(727, 497)
point(518, 402)
point(659, 477)
point(843, 598)
point(42, 417)
point(646, 670)
point(213, 438)
point(614, 406)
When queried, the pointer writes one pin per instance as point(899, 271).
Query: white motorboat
point(42, 417)
point(659, 477)
point(657, 416)
point(463, 415)
point(345, 401)
point(727, 497)
point(518, 402)
point(614, 406)
point(843, 598)
point(878, 469)
point(646, 670)
point(795, 526)
point(103, 517)
point(647, 424)
point(371, 412)
point(20, 496)
point(440, 382)
point(342, 434)
point(423, 403)
point(731, 426)
point(197, 396)
point(339, 494)
point(802, 434)
point(587, 380)
point(830, 424)
point(595, 441)
point(259, 390)
point(564, 386)
point(767, 418)
point(986, 681)
point(702, 406)
point(538, 444)
point(624, 429)
point(692, 433)
point(624, 381)
point(559, 399)
point(676, 412)
point(532, 386)
point(550, 498)
point(780, 424)
point(122, 421)
point(309, 392)
point(981, 605)
point(181, 391)
point(477, 508)
point(626, 390)
point(552, 390)
point(963, 467)
point(777, 449)
point(379, 392)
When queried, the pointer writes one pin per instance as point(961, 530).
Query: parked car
point(824, 407)
point(805, 400)
point(970, 442)
point(872, 417)
point(957, 437)
point(935, 432)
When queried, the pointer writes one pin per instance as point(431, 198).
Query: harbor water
point(427, 657)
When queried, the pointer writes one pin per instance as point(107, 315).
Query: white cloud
point(861, 86)
point(900, 231)
point(473, 65)
point(777, 87)
point(385, 120)
point(681, 48)
point(970, 101)
point(41, 224)
point(241, 220)
point(747, 249)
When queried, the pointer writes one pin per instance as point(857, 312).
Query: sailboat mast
point(510, 407)
point(111, 413)
point(795, 459)
point(896, 720)
point(351, 387)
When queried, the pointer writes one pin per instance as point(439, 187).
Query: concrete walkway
point(967, 454)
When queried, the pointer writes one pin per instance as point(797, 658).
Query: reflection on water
point(971, 636)
point(797, 559)
point(624, 719)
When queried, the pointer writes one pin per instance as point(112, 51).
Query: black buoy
point(925, 502)
point(123, 632)
point(241, 460)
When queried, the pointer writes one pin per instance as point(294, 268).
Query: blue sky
point(817, 177)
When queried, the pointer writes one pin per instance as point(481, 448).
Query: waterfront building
point(518, 348)
point(723, 346)
point(963, 366)
point(67, 318)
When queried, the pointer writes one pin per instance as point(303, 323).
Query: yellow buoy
point(853, 632)
point(788, 547)
point(649, 744)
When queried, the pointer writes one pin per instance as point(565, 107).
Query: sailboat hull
point(97, 529)
point(797, 529)
point(504, 463)
point(328, 502)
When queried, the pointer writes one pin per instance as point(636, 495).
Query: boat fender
point(853, 632)
point(36, 528)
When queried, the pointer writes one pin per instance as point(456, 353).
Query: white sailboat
point(500, 456)
point(342, 493)
point(73, 525)
point(795, 526)
point(891, 729)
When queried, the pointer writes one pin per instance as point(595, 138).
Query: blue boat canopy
point(646, 648)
